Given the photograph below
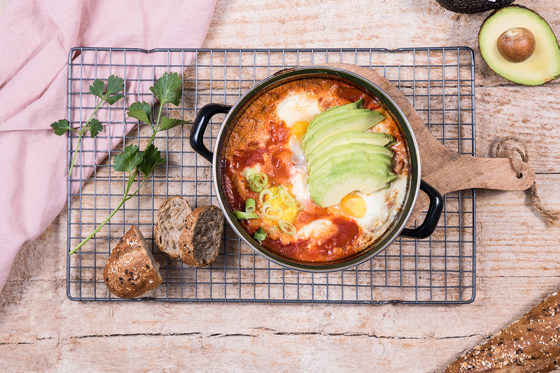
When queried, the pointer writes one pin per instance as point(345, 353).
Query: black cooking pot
point(414, 183)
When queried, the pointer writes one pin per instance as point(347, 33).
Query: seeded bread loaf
point(531, 344)
point(201, 240)
point(131, 269)
point(170, 224)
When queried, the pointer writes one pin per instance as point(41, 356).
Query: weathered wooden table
point(517, 261)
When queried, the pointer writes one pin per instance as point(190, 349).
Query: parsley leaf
point(168, 123)
point(140, 111)
point(114, 85)
point(151, 160)
point(128, 160)
point(167, 89)
point(112, 99)
point(95, 127)
point(60, 127)
point(97, 88)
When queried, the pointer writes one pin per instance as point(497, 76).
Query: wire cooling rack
point(438, 81)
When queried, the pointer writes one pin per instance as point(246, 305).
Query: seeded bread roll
point(170, 224)
point(201, 240)
point(529, 345)
point(131, 269)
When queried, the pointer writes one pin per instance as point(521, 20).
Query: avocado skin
point(521, 8)
point(472, 6)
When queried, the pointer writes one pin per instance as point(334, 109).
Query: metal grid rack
point(439, 270)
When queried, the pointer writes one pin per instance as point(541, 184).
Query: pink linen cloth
point(35, 39)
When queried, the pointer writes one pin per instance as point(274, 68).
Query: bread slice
point(170, 222)
point(200, 242)
point(531, 344)
point(131, 269)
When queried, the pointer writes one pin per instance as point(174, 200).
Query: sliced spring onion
point(271, 212)
point(249, 172)
point(289, 200)
point(250, 205)
point(245, 215)
point(287, 228)
point(257, 181)
point(278, 189)
point(273, 229)
point(260, 235)
point(265, 193)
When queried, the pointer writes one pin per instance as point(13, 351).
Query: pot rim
point(365, 254)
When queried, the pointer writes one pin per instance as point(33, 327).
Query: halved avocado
point(472, 6)
point(541, 66)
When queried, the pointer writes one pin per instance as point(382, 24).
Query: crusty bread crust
point(170, 222)
point(201, 240)
point(531, 344)
point(131, 269)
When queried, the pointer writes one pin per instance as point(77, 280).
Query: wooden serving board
point(443, 168)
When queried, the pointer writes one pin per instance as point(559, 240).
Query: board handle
point(467, 172)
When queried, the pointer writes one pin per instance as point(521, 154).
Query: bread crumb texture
point(200, 242)
point(131, 270)
point(531, 344)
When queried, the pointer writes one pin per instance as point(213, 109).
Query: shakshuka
point(316, 169)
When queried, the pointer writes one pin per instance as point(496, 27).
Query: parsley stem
point(75, 154)
point(126, 197)
point(80, 134)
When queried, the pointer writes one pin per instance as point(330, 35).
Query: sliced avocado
point(542, 66)
point(348, 177)
point(339, 152)
point(354, 120)
point(351, 137)
point(331, 119)
point(473, 6)
point(358, 158)
point(333, 111)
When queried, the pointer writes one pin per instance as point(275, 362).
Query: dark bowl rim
point(365, 254)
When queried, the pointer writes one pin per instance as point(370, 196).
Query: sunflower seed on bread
point(170, 223)
point(201, 240)
point(529, 345)
point(131, 270)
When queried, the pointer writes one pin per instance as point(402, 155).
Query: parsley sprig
point(132, 160)
point(109, 94)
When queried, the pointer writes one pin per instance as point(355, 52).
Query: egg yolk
point(289, 213)
point(299, 129)
point(353, 205)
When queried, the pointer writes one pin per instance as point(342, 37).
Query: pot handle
point(432, 217)
point(199, 126)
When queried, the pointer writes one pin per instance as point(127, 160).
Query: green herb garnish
point(249, 211)
point(133, 161)
point(109, 94)
point(260, 235)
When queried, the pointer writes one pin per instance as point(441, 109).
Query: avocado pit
point(516, 44)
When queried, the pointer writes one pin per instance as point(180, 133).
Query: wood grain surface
point(518, 262)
